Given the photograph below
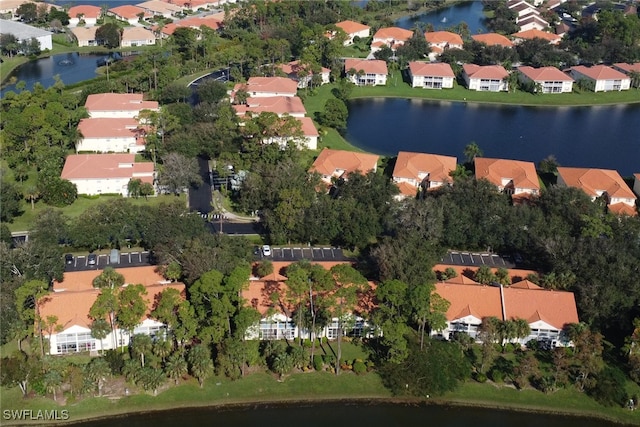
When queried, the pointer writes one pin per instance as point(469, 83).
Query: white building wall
point(114, 114)
point(145, 42)
point(102, 186)
point(109, 145)
point(268, 94)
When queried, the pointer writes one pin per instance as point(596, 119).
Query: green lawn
point(24, 221)
point(565, 401)
point(397, 88)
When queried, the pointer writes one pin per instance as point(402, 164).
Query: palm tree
point(471, 151)
point(282, 364)
point(97, 371)
point(52, 379)
point(635, 78)
point(162, 348)
point(100, 328)
point(460, 173)
point(109, 278)
point(139, 345)
point(521, 328)
point(176, 367)
point(200, 361)
point(31, 193)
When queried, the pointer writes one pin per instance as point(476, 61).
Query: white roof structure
point(20, 30)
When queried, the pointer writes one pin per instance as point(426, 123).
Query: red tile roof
point(544, 74)
point(438, 37)
point(407, 189)
point(331, 162)
point(118, 102)
point(553, 307)
point(72, 308)
point(308, 127)
point(280, 85)
point(83, 280)
point(596, 181)
point(623, 209)
point(88, 11)
point(393, 33)
point(491, 39)
point(599, 72)
point(90, 166)
point(412, 165)
point(368, 66)
point(628, 67)
point(496, 171)
point(128, 11)
point(103, 128)
point(273, 104)
point(535, 33)
point(137, 33)
point(294, 67)
point(352, 27)
point(437, 69)
point(474, 300)
point(515, 274)
point(525, 284)
point(496, 72)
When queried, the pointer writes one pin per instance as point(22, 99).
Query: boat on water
point(444, 19)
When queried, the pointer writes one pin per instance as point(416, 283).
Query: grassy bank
point(397, 88)
point(317, 386)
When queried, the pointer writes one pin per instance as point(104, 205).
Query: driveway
point(324, 253)
point(127, 259)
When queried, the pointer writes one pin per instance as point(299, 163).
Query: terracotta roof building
point(267, 296)
point(514, 177)
point(444, 39)
point(604, 183)
point(601, 77)
point(71, 302)
point(302, 74)
point(129, 13)
point(88, 13)
point(534, 33)
point(280, 105)
point(137, 36)
point(366, 72)
point(547, 312)
point(354, 29)
point(118, 105)
point(258, 87)
point(85, 36)
point(105, 173)
point(431, 75)
point(492, 39)
point(487, 78)
point(110, 136)
point(549, 79)
point(428, 171)
point(339, 163)
point(636, 183)
point(392, 37)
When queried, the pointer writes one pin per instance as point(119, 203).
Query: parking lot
point(477, 259)
point(127, 259)
point(310, 253)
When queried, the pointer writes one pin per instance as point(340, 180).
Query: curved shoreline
point(362, 400)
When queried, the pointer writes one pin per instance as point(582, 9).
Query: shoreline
point(235, 404)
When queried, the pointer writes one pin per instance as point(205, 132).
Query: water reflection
point(603, 137)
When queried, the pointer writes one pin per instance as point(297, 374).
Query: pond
point(344, 414)
point(468, 12)
point(71, 67)
point(600, 136)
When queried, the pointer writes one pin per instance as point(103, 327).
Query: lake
point(71, 67)
point(469, 12)
point(344, 414)
point(601, 136)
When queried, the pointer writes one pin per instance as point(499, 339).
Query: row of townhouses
point(414, 172)
point(547, 312)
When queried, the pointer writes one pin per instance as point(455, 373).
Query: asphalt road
point(200, 198)
point(229, 227)
point(474, 259)
point(127, 259)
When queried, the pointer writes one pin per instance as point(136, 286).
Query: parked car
point(92, 259)
point(256, 250)
point(68, 259)
point(266, 250)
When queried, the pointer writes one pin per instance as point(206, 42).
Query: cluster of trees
point(11, 46)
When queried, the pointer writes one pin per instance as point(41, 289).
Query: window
point(74, 343)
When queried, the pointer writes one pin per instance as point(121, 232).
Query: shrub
point(328, 359)
point(497, 376)
point(318, 364)
point(359, 367)
point(509, 347)
point(480, 377)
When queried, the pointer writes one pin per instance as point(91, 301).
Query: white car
point(266, 250)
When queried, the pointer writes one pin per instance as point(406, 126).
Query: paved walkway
point(218, 207)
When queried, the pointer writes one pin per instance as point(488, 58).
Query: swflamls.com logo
point(33, 415)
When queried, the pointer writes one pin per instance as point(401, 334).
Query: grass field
point(24, 221)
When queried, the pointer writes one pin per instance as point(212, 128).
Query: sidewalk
point(218, 207)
